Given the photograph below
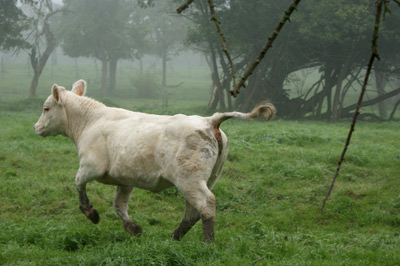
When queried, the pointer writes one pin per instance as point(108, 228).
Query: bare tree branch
point(372, 101)
point(394, 110)
point(374, 54)
point(223, 42)
point(268, 45)
point(184, 6)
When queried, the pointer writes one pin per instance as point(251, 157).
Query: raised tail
point(265, 110)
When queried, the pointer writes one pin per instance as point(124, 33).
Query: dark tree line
point(329, 37)
point(106, 30)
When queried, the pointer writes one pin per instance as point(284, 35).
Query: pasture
point(268, 198)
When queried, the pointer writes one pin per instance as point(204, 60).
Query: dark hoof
point(176, 235)
point(182, 229)
point(133, 228)
point(208, 230)
point(91, 213)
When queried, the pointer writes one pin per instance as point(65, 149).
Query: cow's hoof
point(91, 213)
point(93, 216)
point(178, 234)
point(133, 228)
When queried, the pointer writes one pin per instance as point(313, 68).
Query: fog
point(144, 51)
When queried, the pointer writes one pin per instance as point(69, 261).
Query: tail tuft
point(265, 110)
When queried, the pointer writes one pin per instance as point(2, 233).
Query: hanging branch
point(223, 42)
point(374, 54)
point(184, 6)
point(236, 87)
point(286, 17)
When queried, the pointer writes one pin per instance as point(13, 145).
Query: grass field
point(268, 198)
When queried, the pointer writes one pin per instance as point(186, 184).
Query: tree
point(41, 33)
point(105, 29)
point(167, 34)
point(326, 36)
point(12, 23)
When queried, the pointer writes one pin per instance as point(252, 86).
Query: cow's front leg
point(122, 196)
point(84, 204)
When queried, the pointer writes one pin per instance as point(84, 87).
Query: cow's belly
point(151, 183)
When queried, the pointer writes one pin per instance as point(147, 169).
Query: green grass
point(268, 201)
point(268, 198)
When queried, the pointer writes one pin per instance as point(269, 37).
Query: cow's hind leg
point(201, 199)
point(121, 200)
point(190, 218)
point(84, 204)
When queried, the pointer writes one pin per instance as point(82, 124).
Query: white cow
point(153, 152)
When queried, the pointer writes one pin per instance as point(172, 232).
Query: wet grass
point(268, 198)
point(268, 201)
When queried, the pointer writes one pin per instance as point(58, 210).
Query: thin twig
point(268, 45)
point(184, 6)
point(223, 42)
point(374, 54)
point(259, 259)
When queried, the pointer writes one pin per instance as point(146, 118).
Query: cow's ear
point(79, 87)
point(56, 92)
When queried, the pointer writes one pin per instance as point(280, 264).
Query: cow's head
point(54, 120)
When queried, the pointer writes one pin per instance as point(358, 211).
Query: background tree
point(325, 38)
point(167, 34)
point(107, 30)
point(12, 23)
point(42, 38)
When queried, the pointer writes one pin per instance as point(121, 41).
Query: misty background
point(142, 55)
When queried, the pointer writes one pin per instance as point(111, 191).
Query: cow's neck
point(81, 112)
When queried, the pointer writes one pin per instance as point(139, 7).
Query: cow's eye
point(46, 109)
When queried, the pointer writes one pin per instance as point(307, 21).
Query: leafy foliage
point(12, 23)
point(332, 37)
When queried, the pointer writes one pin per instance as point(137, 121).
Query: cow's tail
point(264, 110)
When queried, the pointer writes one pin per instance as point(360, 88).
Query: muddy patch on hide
point(206, 153)
point(192, 142)
point(188, 163)
point(203, 135)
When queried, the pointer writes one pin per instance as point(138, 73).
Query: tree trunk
point(3, 69)
point(34, 83)
point(380, 86)
point(164, 70)
point(113, 74)
point(141, 67)
point(37, 63)
point(97, 71)
point(336, 99)
point(228, 78)
point(104, 90)
point(330, 78)
point(394, 110)
point(229, 97)
point(76, 68)
point(218, 96)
